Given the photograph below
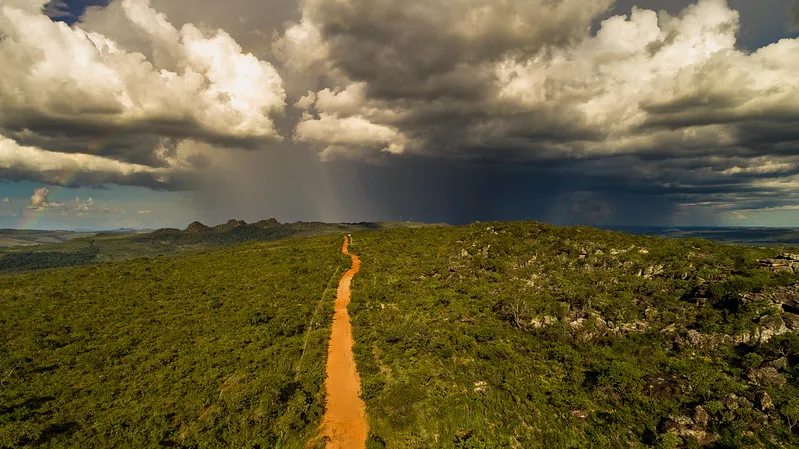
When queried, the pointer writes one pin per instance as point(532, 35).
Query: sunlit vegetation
point(493, 335)
point(524, 335)
point(197, 350)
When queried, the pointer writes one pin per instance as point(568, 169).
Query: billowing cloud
point(175, 171)
point(642, 83)
point(667, 102)
point(39, 197)
point(72, 91)
point(346, 125)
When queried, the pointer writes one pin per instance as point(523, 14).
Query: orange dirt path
point(345, 413)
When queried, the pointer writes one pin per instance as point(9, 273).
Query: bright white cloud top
point(68, 90)
point(643, 82)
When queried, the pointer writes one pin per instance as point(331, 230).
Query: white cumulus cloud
point(646, 81)
point(39, 197)
point(67, 90)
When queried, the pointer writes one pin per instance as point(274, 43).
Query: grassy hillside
point(524, 335)
point(516, 335)
point(163, 242)
point(198, 350)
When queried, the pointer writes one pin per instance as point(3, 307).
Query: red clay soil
point(344, 423)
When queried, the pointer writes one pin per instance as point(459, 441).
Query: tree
point(520, 309)
point(786, 345)
point(791, 412)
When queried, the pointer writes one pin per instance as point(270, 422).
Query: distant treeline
point(22, 261)
point(109, 247)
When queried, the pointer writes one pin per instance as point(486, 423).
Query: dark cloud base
point(461, 192)
point(296, 186)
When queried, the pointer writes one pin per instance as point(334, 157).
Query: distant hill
point(22, 250)
point(83, 248)
point(10, 238)
point(743, 235)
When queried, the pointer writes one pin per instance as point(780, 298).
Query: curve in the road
point(344, 422)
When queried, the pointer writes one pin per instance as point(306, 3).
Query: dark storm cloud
point(69, 11)
point(654, 104)
point(436, 190)
point(729, 183)
point(794, 14)
point(415, 188)
point(58, 9)
point(414, 45)
point(98, 178)
point(139, 142)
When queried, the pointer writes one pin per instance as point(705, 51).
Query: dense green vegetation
point(517, 335)
point(200, 350)
point(524, 335)
point(38, 260)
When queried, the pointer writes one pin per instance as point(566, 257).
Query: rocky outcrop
point(787, 262)
point(766, 376)
point(197, 228)
point(230, 225)
point(771, 326)
point(764, 401)
point(731, 402)
point(680, 337)
point(780, 363)
point(651, 271)
point(782, 298)
point(701, 416)
point(543, 321)
point(688, 428)
point(591, 325)
point(480, 386)
point(269, 223)
point(580, 414)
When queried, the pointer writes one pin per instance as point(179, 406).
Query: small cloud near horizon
point(39, 198)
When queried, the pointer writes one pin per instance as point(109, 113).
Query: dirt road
point(345, 413)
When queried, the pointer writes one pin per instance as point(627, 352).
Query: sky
point(156, 113)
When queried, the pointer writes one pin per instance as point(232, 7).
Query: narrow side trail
point(345, 413)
